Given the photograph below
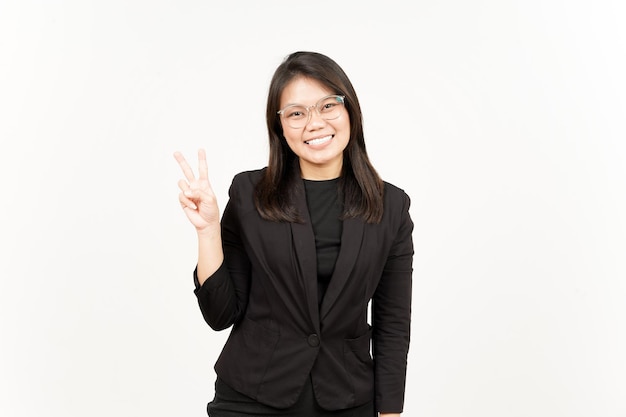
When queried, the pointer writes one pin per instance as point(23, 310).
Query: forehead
point(302, 90)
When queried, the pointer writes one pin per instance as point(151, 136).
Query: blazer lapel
point(304, 244)
point(351, 237)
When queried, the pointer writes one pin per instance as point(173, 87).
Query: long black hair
point(360, 184)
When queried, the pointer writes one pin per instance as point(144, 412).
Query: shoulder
point(394, 194)
point(241, 191)
point(248, 179)
point(396, 214)
point(396, 205)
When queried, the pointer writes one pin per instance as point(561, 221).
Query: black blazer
point(267, 288)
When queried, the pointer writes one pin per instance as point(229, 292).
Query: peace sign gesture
point(196, 197)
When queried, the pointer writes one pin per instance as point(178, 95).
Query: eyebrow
point(303, 105)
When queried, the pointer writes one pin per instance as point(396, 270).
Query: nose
point(314, 118)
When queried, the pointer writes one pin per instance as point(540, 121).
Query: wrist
point(209, 232)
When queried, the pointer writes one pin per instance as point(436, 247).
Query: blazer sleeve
point(391, 316)
point(223, 297)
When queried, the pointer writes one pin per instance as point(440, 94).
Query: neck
point(320, 173)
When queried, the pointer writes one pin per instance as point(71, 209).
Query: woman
point(303, 246)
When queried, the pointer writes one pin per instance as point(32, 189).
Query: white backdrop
point(503, 120)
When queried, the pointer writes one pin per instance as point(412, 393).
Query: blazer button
point(313, 340)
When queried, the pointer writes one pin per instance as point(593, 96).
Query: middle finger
point(203, 170)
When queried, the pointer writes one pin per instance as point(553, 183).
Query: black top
point(322, 198)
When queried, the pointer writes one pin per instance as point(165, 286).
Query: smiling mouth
point(318, 140)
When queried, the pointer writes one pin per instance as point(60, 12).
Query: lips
point(318, 141)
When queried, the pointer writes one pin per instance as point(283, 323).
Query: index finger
point(203, 169)
point(184, 166)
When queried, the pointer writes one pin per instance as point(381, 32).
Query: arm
point(221, 289)
point(224, 295)
point(391, 315)
point(200, 205)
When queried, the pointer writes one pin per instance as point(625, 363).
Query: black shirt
point(325, 210)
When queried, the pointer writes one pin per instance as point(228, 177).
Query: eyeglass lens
point(328, 108)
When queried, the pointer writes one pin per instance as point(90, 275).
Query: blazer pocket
point(359, 364)
point(245, 357)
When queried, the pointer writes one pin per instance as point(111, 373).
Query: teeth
point(319, 140)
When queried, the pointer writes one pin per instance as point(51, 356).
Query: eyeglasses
point(297, 116)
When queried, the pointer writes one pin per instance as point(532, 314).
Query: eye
point(294, 113)
point(329, 105)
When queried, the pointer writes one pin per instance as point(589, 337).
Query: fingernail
point(188, 193)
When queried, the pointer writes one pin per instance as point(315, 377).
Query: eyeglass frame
point(308, 109)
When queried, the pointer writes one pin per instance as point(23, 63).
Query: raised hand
point(196, 197)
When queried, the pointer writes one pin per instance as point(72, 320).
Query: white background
point(503, 120)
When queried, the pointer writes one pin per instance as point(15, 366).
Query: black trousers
point(230, 403)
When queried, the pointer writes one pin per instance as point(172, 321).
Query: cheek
point(345, 128)
point(292, 141)
point(344, 124)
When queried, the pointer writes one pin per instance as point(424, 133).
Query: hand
point(196, 197)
